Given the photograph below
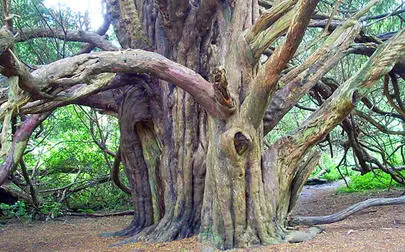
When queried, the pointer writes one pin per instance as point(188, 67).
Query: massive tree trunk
point(210, 170)
point(169, 188)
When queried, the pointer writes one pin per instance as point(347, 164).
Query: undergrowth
point(376, 180)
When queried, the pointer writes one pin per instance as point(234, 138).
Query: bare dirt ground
point(374, 229)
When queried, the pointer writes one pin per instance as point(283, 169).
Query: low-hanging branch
point(100, 215)
point(318, 220)
point(71, 71)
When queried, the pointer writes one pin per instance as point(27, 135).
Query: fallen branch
point(99, 215)
point(318, 220)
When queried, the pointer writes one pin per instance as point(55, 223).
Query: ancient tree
point(196, 86)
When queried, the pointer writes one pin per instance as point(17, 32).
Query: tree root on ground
point(301, 236)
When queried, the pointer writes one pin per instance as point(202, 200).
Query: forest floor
point(374, 229)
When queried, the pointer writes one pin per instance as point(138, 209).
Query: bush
point(370, 181)
point(17, 210)
point(51, 209)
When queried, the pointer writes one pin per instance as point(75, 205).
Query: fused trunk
point(194, 173)
point(191, 173)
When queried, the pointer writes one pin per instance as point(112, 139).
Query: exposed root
point(318, 220)
point(301, 236)
point(132, 229)
point(168, 229)
point(101, 215)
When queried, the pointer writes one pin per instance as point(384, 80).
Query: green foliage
point(45, 50)
point(105, 197)
point(17, 210)
point(370, 181)
point(332, 175)
point(63, 156)
point(68, 155)
point(51, 209)
point(330, 165)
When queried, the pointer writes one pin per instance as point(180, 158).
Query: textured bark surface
point(196, 173)
point(209, 175)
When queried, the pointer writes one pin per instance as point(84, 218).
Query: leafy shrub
point(370, 181)
point(51, 209)
point(17, 210)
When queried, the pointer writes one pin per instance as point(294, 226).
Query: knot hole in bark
point(241, 143)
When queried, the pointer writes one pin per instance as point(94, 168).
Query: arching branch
point(74, 70)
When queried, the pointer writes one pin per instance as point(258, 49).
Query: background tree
point(195, 87)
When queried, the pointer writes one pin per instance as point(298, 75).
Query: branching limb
point(79, 36)
point(301, 79)
point(19, 143)
point(255, 104)
point(86, 48)
point(344, 99)
point(270, 26)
